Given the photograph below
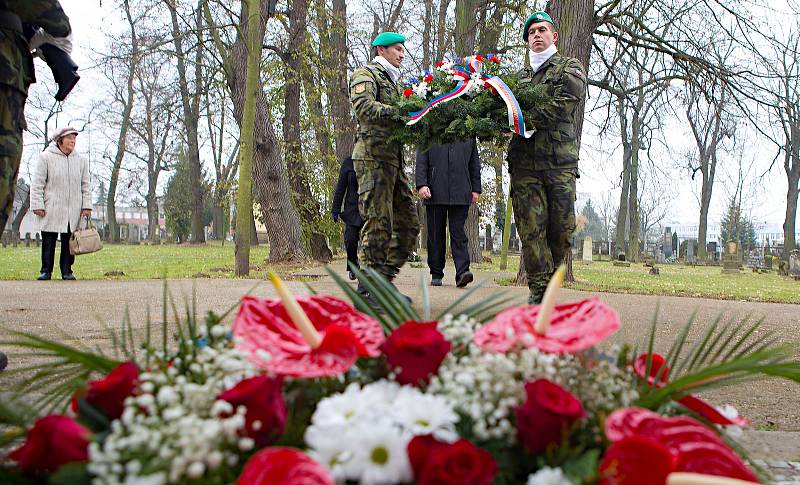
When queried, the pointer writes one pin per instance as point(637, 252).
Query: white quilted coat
point(61, 187)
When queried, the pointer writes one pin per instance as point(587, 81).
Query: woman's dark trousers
point(65, 260)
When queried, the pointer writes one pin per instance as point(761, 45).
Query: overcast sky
point(600, 167)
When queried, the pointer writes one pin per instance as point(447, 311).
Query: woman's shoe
point(44, 277)
point(68, 276)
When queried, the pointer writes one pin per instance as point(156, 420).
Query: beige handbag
point(86, 240)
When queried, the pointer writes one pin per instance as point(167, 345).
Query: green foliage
point(736, 226)
point(483, 115)
point(593, 224)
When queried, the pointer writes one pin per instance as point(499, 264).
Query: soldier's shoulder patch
point(577, 72)
point(360, 88)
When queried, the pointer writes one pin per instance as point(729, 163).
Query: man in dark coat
point(448, 180)
point(346, 192)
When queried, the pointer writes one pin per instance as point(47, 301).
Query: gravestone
point(587, 249)
point(38, 240)
point(730, 260)
point(28, 239)
point(488, 239)
point(794, 263)
point(667, 242)
point(690, 251)
point(513, 239)
point(711, 251)
point(768, 261)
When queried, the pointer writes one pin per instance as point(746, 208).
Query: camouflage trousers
point(544, 209)
point(390, 229)
point(12, 122)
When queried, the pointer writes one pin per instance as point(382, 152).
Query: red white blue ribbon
point(472, 65)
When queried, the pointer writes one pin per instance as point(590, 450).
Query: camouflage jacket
point(554, 145)
point(371, 91)
point(16, 64)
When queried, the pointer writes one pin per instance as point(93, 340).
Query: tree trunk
point(633, 210)
point(153, 229)
point(473, 230)
point(792, 166)
point(295, 164)
point(337, 86)
point(244, 207)
point(191, 116)
point(622, 211)
point(269, 175)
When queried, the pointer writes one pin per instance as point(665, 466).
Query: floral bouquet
point(458, 99)
point(316, 390)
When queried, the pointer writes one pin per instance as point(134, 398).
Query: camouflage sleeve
point(570, 90)
point(363, 97)
point(46, 14)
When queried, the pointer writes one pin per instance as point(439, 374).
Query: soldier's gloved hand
point(395, 115)
point(335, 216)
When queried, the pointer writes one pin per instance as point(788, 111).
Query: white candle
point(296, 313)
point(699, 479)
point(549, 301)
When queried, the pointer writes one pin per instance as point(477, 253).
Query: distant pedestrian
point(346, 192)
point(60, 197)
point(448, 180)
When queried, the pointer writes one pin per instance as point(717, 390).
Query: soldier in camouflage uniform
point(384, 192)
point(543, 168)
point(16, 74)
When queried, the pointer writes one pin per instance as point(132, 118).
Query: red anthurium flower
point(574, 327)
point(408, 92)
point(266, 411)
point(460, 463)
point(265, 330)
point(636, 460)
point(108, 394)
point(547, 412)
point(696, 448)
point(283, 466)
point(439, 64)
point(53, 441)
point(479, 58)
point(658, 362)
point(416, 349)
point(428, 78)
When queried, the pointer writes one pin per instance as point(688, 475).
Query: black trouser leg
point(436, 218)
point(457, 217)
point(66, 259)
point(352, 234)
point(48, 250)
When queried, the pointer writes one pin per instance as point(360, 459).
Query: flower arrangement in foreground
point(473, 97)
point(318, 391)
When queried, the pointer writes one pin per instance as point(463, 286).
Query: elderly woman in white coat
point(60, 196)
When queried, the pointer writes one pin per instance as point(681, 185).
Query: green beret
point(536, 17)
point(388, 38)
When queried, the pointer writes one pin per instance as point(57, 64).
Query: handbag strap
point(88, 221)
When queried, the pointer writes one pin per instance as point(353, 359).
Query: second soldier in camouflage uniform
point(543, 168)
point(16, 74)
point(385, 200)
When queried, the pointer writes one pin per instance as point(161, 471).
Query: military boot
point(371, 301)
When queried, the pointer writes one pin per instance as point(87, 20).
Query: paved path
point(80, 310)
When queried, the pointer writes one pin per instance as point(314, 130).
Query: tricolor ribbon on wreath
point(470, 77)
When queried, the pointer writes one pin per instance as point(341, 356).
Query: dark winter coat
point(452, 172)
point(347, 191)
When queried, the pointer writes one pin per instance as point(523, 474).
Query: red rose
point(415, 349)
point(283, 466)
point(428, 78)
point(53, 441)
point(266, 411)
point(108, 394)
point(495, 59)
point(658, 368)
point(636, 460)
point(547, 412)
point(439, 64)
point(408, 92)
point(479, 58)
point(459, 463)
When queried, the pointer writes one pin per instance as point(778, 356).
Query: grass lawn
point(676, 280)
point(135, 261)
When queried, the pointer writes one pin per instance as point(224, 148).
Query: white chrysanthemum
point(421, 89)
point(548, 476)
point(380, 456)
point(421, 413)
